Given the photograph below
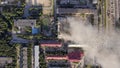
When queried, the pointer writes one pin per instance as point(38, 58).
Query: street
point(112, 13)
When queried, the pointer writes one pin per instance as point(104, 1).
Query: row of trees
point(42, 59)
point(29, 55)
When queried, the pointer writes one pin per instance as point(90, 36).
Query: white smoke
point(103, 47)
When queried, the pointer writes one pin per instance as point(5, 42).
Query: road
point(108, 14)
point(102, 13)
point(26, 10)
point(55, 10)
point(108, 11)
point(117, 3)
point(112, 13)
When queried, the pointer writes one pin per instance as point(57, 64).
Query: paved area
point(18, 40)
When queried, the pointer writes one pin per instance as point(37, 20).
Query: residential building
point(36, 56)
point(54, 52)
point(4, 61)
point(70, 8)
point(9, 2)
point(58, 64)
point(67, 11)
point(76, 55)
point(56, 57)
point(51, 45)
point(21, 24)
point(25, 22)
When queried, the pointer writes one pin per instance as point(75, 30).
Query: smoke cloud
point(103, 48)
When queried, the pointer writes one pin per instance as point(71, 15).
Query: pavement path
point(18, 40)
point(26, 10)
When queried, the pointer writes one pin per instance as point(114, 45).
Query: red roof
point(56, 57)
point(51, 44)
point(75, 56)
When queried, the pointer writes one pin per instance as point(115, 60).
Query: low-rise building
point(58, 64)
point(9, 2)
point(76, 55)
point(4, 61)
point(56, 57)
point(54, 51)
point(77, 8)
point(51, 45)
point(67, 11)
point(21, 25)
point(24, 22)
point(36, 56)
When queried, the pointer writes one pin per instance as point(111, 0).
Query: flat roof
point(75, 10)
point(51, 44)
point(75, 56)
point(56, 57)
point(25, 22)
point(77, 46)
point(34, 30)
point(36, 56)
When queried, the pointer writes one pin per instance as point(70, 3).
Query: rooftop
point(10, 2)
point(73, 2)
point(58, 64)
point(51, 44)
point(36, 56)
point(77, 46)
point(75, 11)
point(75, 56)
point(56, 57)
point(35, 30)
point(24, 22)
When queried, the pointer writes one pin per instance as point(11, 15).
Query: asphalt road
point(108, 14)
point(112, 7)
point(117, 9)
